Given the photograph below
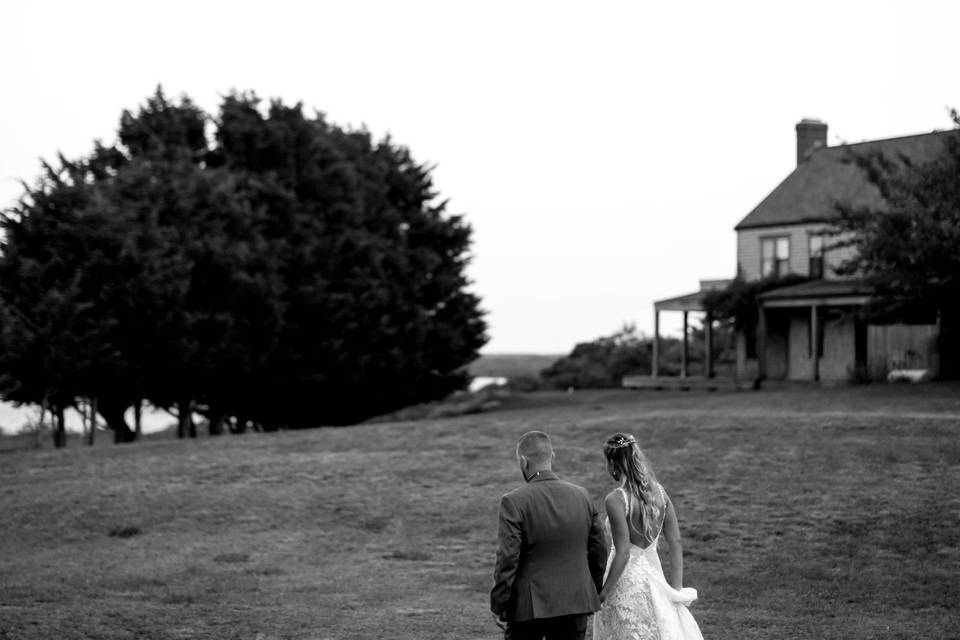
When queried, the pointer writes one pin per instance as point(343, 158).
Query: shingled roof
point(826, 177)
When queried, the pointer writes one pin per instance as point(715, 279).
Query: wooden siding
point(778, 352)
point(902, 346)
point(891, 346)
point(839, 349)
point(800, 366)
point(788, 347)
point(748, 250)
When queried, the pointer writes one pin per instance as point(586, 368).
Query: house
point(816, 330)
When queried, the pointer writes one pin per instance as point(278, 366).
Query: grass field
point(805, 514)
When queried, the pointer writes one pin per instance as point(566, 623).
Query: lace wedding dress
point(642, 605)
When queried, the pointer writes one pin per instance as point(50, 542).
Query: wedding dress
point(642, 605)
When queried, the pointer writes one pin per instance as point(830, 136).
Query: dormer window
point(815, 241)
point(774, 256)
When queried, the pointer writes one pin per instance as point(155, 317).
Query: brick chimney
point(811, 135)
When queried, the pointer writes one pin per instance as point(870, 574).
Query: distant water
point(12, 418)
point(481, 382)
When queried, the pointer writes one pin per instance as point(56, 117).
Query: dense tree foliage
point(909, 250)
point(288, 272)
point(736, 306)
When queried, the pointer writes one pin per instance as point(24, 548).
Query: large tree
point(909, 249)
point(288, 272)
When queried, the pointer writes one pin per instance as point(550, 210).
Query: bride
point(638, 602)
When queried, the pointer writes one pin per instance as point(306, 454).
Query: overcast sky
point(602, 151)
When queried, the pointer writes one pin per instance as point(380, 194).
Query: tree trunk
point(82, 407)
point(185, 426)
point(217, 422)
point(137, 418)
point(238, 425)
point(113, 410)
point(59, 430)
point(43, 417)
point(949, 344)
point(93, 421)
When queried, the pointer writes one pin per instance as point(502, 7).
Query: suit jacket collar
point(545, 474)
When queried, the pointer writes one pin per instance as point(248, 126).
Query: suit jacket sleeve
point(597, 550)
point(510, 537)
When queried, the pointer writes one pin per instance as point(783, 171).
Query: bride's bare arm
point(621, 540)
point(671, 531)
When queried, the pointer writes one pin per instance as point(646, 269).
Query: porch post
point(683, 360)
point(654, 364)
point(815, 340)
point(761, 342)
point(709, 345)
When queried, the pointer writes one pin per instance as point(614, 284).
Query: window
point(815, 241)
point(774, 256)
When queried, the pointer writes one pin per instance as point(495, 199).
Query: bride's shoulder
point(615, 499)
point(664, 496)
point(616, 491)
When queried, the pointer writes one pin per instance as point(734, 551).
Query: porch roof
point(845, 292)
point(688, 302)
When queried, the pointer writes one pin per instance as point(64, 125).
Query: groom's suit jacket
point(552, 551)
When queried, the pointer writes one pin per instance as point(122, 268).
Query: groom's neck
point(533, 473)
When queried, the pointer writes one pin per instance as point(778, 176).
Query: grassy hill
point(805, 514)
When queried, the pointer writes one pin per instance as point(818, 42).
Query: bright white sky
point(602, 151)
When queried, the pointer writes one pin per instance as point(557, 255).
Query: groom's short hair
point(535, 446)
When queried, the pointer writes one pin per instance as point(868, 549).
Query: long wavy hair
point(623, 453)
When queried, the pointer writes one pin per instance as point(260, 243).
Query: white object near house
point(480, 383)
point(908, 375)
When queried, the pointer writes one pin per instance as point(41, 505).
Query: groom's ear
point(524, 465)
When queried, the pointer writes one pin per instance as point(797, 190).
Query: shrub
point(524, 383)
point(601, 363)
point(867, 374)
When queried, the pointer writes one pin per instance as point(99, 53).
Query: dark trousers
point(562, 628)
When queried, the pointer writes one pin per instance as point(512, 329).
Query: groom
point(552, 551)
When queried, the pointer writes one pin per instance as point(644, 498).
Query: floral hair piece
point(621, 441)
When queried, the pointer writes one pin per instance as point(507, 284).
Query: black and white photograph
point(529, 320)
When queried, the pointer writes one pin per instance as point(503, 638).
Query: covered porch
point(685, 304)
point(811, 331)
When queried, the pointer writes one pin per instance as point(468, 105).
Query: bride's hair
point(621, 450)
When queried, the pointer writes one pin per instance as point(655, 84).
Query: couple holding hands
point(553, 569)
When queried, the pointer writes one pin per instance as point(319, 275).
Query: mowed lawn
point(805, 514)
